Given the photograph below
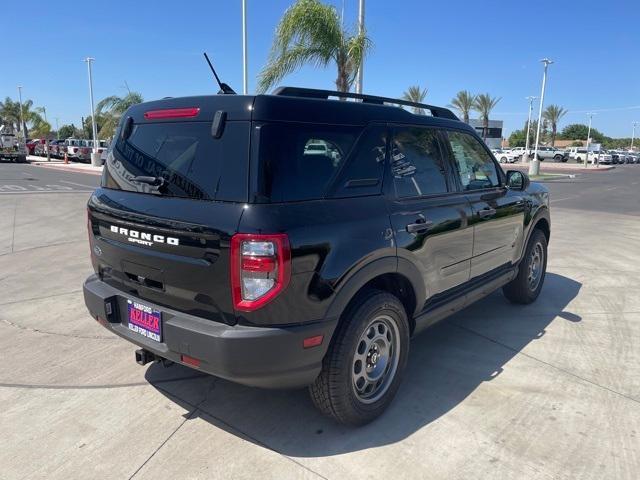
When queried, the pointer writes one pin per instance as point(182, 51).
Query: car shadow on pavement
point(447, 363)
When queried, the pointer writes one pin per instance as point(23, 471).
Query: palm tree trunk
point(554, 131)
point(465, 117)
point(485, 128)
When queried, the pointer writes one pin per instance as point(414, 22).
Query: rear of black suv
point(288, 240)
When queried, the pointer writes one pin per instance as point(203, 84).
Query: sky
point(489, 46)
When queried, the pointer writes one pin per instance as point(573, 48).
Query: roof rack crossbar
point(440, 112)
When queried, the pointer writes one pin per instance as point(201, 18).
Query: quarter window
point(474, 164)
point(417, 165)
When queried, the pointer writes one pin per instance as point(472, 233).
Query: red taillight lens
point(75, 150)
point(260, 269)
point(172, 113)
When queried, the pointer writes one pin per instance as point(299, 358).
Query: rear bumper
point(255, 356)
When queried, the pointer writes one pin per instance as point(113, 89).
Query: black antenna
point(224, 88)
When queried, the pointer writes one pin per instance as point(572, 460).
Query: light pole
point(22, 125)
point(526, 148)
point(360, 32)
point(534, 166)
point(57, 128)
point(95, 157)
point(245, 87)
point(586, 156)
point(633, 134)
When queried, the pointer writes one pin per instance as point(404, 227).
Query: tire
point(21, 159)
point(558, 158)
point(504, 160)
point(341, 390)
point(523, 289)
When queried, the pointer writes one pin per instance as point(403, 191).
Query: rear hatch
point(168, 242)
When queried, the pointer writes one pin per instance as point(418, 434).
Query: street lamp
point(245, 83)
point(95, 157)
point(586, 156)
point(22, 125)
point(534, 167)
point(633, 134)
point(526, 148)
point(360, 32)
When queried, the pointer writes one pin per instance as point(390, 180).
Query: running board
point(463, 300)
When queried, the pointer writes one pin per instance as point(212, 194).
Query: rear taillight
point(75, 150)
point(260, 268)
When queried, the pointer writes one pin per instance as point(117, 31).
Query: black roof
point(292, 104)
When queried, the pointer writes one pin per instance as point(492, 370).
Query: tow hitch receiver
point(143, 357)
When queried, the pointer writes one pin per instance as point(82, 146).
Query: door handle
point(421, 225)
point(487, 212)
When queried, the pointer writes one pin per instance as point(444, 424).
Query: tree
point(464, 102)
point(110, 109)
point(10, 114)
point(553, 114)
point(312, 32)
point(68, 131)
point(417, 95)
point(484, 103)
point(578, 131)
point(518, 138)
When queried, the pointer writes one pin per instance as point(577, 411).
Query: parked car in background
point(552, 153)
point(84, 151)
point(31, 146)
point(600, 157)
point(57, 148)
point(518, 153)
point(10, 147)
point(504, 156)
point(577, 153)
point(72, 146)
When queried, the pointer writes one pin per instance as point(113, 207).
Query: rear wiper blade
point(153, 181)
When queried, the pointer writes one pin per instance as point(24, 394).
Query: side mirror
point(517, 180)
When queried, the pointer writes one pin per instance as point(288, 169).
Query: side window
point(299, 161)
point(362, 174)
point(475, 167)
point(416, 162)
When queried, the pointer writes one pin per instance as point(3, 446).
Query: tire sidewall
point(536, 237)
point(376, 305)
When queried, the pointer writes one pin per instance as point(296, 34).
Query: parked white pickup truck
point(10, 148)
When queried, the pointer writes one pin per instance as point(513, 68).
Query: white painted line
point(78, 184)
point(30, 192)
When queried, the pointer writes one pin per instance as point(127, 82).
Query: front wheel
point(526, 287)
point(363, 368)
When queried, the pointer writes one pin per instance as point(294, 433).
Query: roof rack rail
point(440, 112)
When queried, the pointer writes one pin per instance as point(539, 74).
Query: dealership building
point(494, 135)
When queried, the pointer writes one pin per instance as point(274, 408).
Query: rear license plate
point(145, 320)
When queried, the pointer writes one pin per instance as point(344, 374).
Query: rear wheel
point(362, 370)
point(526, 287)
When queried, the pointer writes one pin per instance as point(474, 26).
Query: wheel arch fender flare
point(381, 266)
point(542, 214)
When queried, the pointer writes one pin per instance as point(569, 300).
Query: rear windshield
point(299, 162)
point(192, 163)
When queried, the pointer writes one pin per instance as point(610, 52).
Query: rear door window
point(192, 163)
point(300, 161)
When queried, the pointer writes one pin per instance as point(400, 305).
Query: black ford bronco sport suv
point(293, 240)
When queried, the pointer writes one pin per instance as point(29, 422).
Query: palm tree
point(484, 104)
point(110, 109)
point(10, 113)
point(553, 114)
point(464, 102)
point(312, 32)
point(417, 95)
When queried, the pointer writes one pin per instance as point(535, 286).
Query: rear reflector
point(172, 113)
point(194, 362)
point(312, 341)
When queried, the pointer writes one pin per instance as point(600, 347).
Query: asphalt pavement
point(545, 391)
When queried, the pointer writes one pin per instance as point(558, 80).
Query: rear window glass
point(299, 162)
point(192, 163)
